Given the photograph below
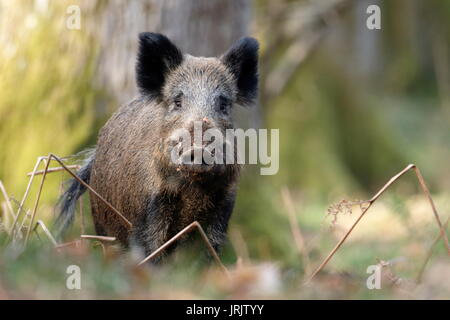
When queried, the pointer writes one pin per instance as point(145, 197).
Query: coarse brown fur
point(131, 167)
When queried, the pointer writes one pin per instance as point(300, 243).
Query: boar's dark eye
point(177, 103)
point(224, 104)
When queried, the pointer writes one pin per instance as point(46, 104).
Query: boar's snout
point(194, 148)
point(197, 159)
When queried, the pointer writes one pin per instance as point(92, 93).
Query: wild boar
point(132, 165)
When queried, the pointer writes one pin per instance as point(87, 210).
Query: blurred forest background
point(354, 106)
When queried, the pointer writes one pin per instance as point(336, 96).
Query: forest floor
point(395, 236)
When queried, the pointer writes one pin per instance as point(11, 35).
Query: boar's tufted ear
point(242, 60)
point(157, 55)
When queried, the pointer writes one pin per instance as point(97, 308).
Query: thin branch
point(430, 254)
point(30, 182)
point(110, 206)
point(8, 201)
point(75, 243)
point(239, 245)
point(373, 199)
point(295, 229)
point(5, 221)
point(33, 214)
point(189, 228)
point(19, 210)
point(430, 200)
point(52, 156)
point(56, 169)
point(102, 245)
point(82, 224)
point(46, 231)
point(100, 238)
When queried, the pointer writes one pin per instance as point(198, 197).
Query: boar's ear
point(242, 60)
point(157, 55)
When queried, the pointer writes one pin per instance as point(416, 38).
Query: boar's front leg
point(216, 229)
point(152, 229)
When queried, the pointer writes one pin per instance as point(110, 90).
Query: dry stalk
point(8, 201)
point(430, 253)
point(46, 231)
point(75, 243)
point(47, 163)
point(370, 203)
point(297, 234)
point(57, 159)
point(99, 238)
point(239, 245)
point(32, 174)
point(4, 222)
point(344, 207)
point(98, 241)
point(189, 228)
point(19, 210)
point(102, 245)
point(82, 225)
point(56, 169)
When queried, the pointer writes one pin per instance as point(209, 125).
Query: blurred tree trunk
point(204, 27)
point(198, 27)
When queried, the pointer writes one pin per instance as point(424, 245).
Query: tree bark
point(198, 27)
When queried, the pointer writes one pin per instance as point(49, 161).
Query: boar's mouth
point(199, 160)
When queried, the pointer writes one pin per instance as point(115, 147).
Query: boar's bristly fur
point(132, 168)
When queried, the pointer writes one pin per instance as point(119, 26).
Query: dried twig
point(19, 210)
point(295, 229)
point(75, 243)
point(239, 245)
point(46, 231)
point(56, 169)
point(102, 245)
point(430, 253)
point(8, 201)
point(100, 238)
point(52, 156)
point(98, 241)
point(373, 199)
point(5, 221)
point(344, 207)
point(33, 214)
point(82, 225)
point(110, 206)
point(189, 228)
point(430, 200)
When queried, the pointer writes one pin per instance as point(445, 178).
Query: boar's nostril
point(173, 142)
point(188, 157)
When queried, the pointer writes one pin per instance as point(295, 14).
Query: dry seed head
point(345, 207)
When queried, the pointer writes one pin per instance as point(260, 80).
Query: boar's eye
point(224, 104)
point(177, 102)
